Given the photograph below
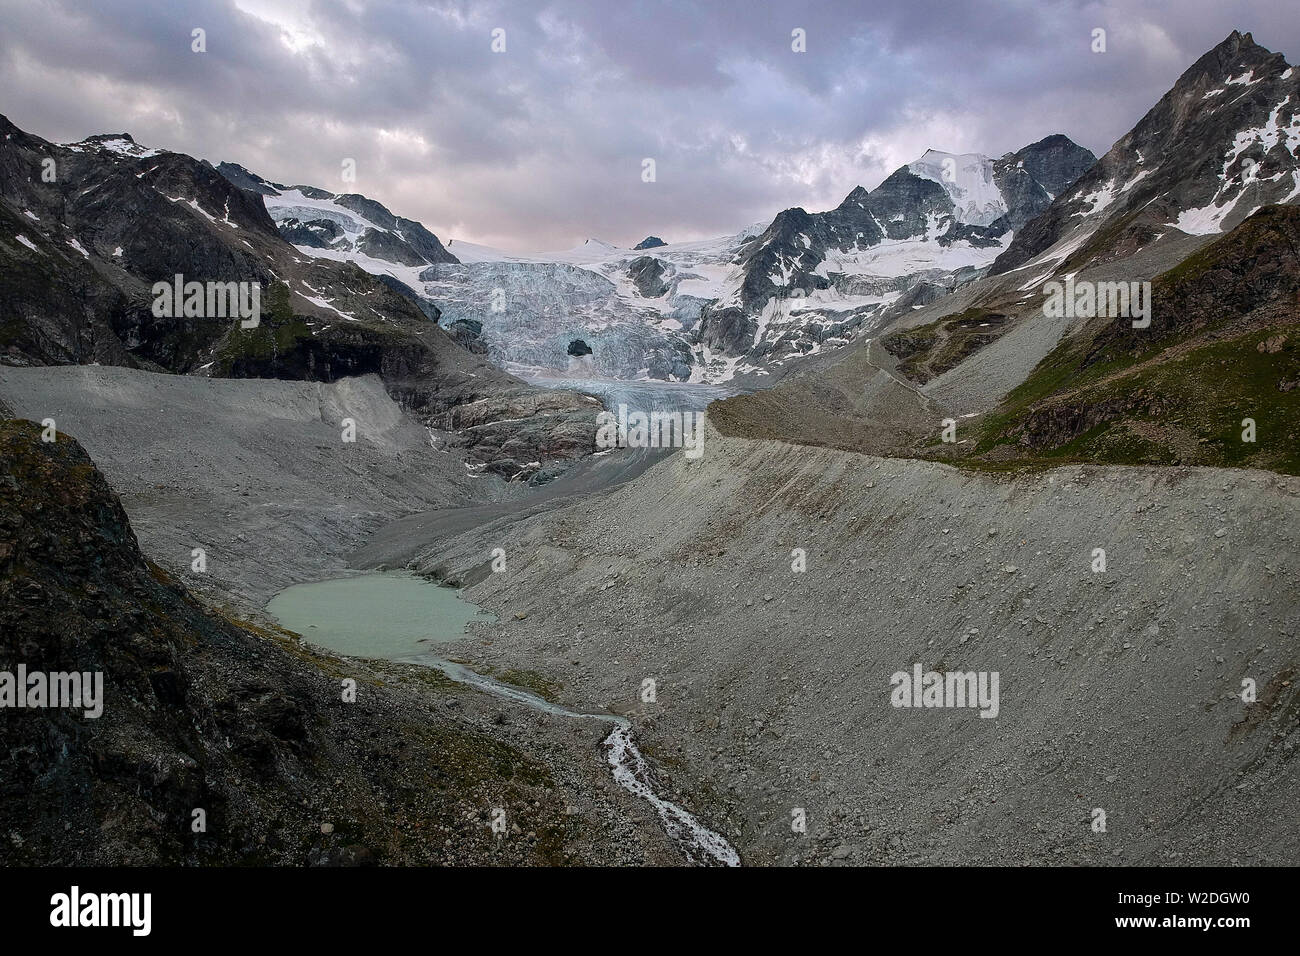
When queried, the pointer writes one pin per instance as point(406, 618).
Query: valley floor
point(1120, 690)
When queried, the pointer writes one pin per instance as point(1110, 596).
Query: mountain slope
point(349, 223)
point(247, 725)
point(1120, 690)
point(933, 222)
point(80, 273)
point(1220, 144)
point(1223, 347)
point(994, 338)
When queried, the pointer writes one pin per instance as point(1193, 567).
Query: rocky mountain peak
point(123, 144)
point(930, 223)
point(855, 198)
point(1220, 144)
point(1054, 162)
point(245, 179)
point(316, 219)
point(109, 137)
point(1238, 60)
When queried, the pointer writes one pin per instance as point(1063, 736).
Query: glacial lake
point(401, 616)
point(394, 615)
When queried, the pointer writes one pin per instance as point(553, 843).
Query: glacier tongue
point(634, 309)
point(531, 312)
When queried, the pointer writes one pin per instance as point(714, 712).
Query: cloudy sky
point(542, 145)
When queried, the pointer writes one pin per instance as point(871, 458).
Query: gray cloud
point(541, 146)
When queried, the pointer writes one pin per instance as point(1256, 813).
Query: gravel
point(255, 472)
point(1119, 690)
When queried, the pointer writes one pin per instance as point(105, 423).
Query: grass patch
point(1187, 410)
point(277, 333)
point(546, 689)
point(928, 351)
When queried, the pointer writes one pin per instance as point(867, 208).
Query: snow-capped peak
point(120, 143)
point(968, 180)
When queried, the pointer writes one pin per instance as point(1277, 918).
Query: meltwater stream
point(398, 615)
point(630, 770)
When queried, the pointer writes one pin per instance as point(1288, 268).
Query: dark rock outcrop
point(647, 274)
point(203, 713)
point(244, 179)
point(1182, 155)
point(317, 233)
point(468, 334)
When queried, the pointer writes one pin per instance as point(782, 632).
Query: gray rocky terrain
point(1120, 690)
point(220, 741)
point(254, 472)
point(748, 611)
